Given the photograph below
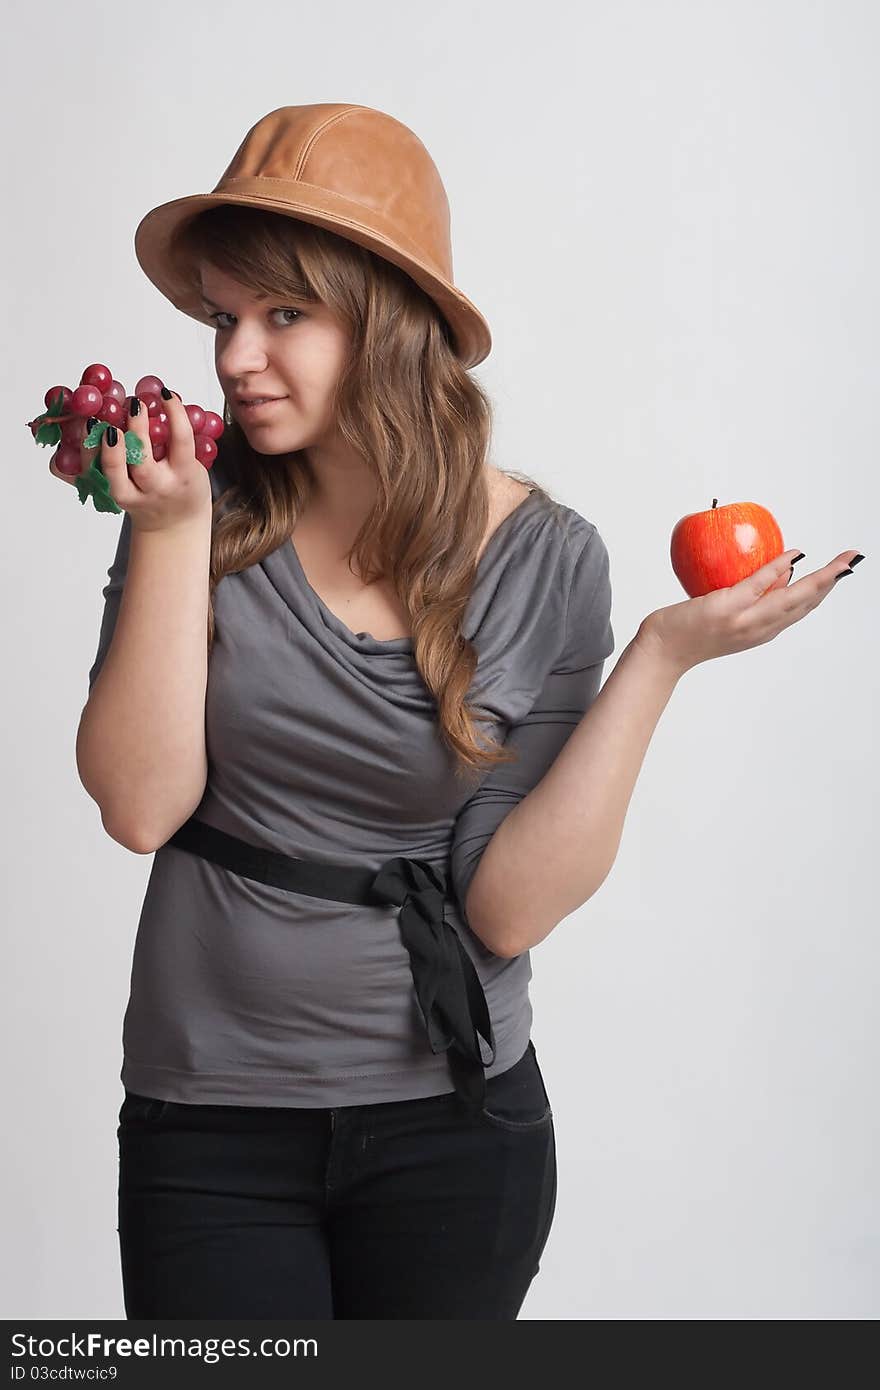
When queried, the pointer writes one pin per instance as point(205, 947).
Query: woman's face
point(275, 347)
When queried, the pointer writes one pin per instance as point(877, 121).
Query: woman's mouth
point(263, 403)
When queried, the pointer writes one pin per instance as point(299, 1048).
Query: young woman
point(346, 691)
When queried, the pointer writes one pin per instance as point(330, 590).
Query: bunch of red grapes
point(101, 396)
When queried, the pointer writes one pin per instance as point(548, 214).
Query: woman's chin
point(274, 444)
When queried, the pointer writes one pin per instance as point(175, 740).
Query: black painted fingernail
point(842, 573)
point(111, 435)
point(134, 406)
point(91, 423)
point(166, 394)
point(798, 557)
point(856, 561)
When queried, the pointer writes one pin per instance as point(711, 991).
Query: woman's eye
point(223, 315)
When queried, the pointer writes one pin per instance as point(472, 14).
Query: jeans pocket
point(516, 1099)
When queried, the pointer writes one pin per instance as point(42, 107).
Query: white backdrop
point(669, 214)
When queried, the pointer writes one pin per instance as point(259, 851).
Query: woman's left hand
point(745, 615)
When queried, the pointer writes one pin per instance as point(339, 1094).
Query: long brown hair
point(407, 406)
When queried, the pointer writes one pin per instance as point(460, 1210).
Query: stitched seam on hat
point(330, 121)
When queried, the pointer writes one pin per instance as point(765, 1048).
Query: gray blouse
point(322, 744)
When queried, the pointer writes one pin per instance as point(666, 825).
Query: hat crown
point(360, 154)
point(350, 169)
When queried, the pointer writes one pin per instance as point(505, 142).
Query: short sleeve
point(570, 688)
point(112, 595)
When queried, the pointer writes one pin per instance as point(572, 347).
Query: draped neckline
point(365, 640)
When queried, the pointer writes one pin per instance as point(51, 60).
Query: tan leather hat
point(358, 172)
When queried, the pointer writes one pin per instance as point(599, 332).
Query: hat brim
point(153, 237)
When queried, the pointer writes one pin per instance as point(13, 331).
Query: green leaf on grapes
point(93, 483)
point(95, 434)
point(48, 434)
point(134, 449)
point(56, 407)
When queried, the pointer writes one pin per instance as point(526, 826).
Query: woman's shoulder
point(554, 525)
point(553, 561)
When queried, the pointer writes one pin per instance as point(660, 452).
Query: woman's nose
point(242, 362)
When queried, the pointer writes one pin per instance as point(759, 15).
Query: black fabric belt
point(448, 989)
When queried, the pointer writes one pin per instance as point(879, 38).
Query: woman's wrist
point(649, 639)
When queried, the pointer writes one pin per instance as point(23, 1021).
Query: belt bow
point(448, 989)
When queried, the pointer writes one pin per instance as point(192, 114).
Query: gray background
point(669, 215)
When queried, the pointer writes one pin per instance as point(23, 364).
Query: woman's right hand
point(159, 495)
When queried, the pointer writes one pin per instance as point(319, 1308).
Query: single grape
point(159, 432)
point(117, 391)
point(196, 417)
point(66, 394)
point(206, 449)
point(112, 413)
point(67, 458)
point(212, 425)
point(159, 451)
point(148, 385)
point(151, 400)
point(86, 400)
point(97, 375)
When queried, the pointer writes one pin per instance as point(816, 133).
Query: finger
point(145, 475)
point(181, 441)
point(123, 488)
point(782, 582)
point(827, 575)
point(754, 585)
point(766, 619)
point(90, 454)
point(87, 455)
point(853, 557)
point(807, 593)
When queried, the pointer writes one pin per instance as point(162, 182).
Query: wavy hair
point(404, 403)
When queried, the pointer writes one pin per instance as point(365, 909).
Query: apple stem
point(714, 503)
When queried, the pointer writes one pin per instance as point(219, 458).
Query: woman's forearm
point(140, 746)
point(557, 846)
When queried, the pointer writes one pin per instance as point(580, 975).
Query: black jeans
point(404, 1209)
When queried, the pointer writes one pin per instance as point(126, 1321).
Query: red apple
point(714, 549)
